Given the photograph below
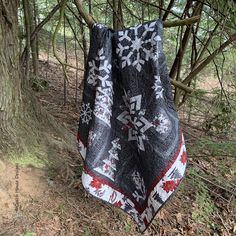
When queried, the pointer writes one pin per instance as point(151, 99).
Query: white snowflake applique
point(134, 120)
point(132, 50)
point(158, 87)
point(86, 113)
point(162, 124)
point(99, 76)
point(140, 193)
point(99, 71)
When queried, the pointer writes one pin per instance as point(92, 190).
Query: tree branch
point(45, 20)
point(188, 21)
point(166, 24)
point(39, 27)
point(63, 64)
point(77, 16)
point(90, 22)
point(86, 16)
point(160, 8)
point(201, 66)
point(5, 13)
point(168, 10)
point(181, 86)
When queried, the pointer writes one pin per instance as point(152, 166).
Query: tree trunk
point(29, 28)
point(26, 130)
point(34, 44)
point(117, 15)
point(27, 40)
point(10, 83)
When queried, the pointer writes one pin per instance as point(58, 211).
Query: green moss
point(30, 158)
point(29, 234)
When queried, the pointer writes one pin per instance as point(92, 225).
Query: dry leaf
point(234, 230)
point(179, 218)
point(162, 214)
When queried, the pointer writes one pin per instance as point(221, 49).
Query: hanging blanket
point(129, 132)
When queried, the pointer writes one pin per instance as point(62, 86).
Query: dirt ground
point(35, 202)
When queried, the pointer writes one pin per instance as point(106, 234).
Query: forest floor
point(49, 205)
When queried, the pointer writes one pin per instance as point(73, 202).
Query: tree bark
point(27, 40)
point(25, 128)
point(34, 45)
point(10, 83)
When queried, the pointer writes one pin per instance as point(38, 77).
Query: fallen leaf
point(179, 218)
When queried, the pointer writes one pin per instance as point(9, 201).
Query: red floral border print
point(155, 182)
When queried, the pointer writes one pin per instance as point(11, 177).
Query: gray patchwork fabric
point(129, 133)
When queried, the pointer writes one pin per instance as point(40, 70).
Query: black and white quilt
point(129, 133)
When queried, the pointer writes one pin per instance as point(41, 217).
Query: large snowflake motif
point(99, 71)
point(134, 120)
point(85, 113)
point(135, 48)
point(158, 87)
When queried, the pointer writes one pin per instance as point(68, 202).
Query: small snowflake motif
point(158, 87)
point(86, 113)
point(183, 158)
point(99, 76)
point(161, 123)
point(99, 70)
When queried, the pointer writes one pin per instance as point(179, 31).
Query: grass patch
point(29, 158)
point(204, 208)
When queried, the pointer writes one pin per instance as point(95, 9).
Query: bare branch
point(181, 86)
point(168, 10)
point(209, 59)
point(45, 20)
point(166, 24)
point(39, 27)
point(188, 21)
point(160, 8)
point(86, 16)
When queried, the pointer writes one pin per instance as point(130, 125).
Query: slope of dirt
point(56, 203)
point(28, 183)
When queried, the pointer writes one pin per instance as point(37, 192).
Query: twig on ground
point(77, 210)
point(212, 183)
point(223, 223)
point(230, 200)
